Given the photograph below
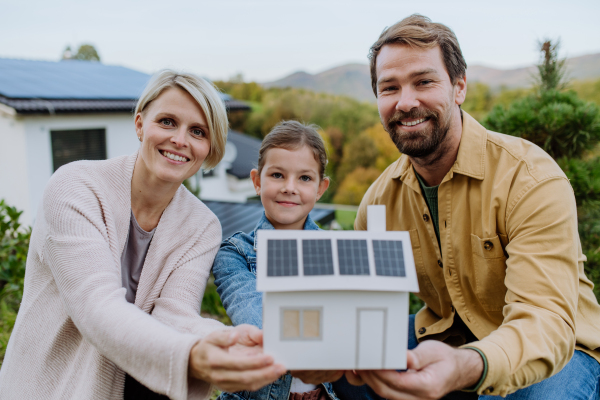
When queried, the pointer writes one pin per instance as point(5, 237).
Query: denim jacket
point(235, 277)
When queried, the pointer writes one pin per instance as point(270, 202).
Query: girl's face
point(175, 137)
point(289, 185)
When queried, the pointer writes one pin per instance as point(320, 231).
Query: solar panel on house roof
point(353, 257)
point(317, 257)
point(282, 258)
point(71, 79)
point(389, 258)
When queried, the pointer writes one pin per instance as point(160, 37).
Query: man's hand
point(233, 360)
point(317, 376)
point(434, 369)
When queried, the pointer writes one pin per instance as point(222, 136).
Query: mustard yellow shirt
point(511, 263)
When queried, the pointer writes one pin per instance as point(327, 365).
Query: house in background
point(336, 299)
point(52, 113)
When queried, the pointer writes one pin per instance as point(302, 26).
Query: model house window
point(299, 323)
point(79, 144)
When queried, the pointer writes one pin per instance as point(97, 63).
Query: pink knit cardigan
point(76, 335)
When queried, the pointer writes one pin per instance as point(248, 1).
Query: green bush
point(559, 122)
point(14, 244)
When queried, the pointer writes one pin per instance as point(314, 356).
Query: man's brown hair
point(292, 135)
point(418, 31)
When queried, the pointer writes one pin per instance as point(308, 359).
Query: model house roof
point(289, 260)
point(242, 217)
point(72, 86)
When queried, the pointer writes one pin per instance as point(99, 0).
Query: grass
point(345, 219)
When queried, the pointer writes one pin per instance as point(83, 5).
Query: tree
point(551, 70)
point(557, 121)
point(86, 52)
point(567, 128)
point(355, 185)
point(360, 152)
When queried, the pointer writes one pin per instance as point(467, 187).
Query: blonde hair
point(207, 97)
point(292, 135)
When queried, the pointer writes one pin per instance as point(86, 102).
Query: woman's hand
point(233, 360)
point(318, 376)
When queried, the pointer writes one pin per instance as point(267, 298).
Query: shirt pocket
point(427, 291)
point(489, 263)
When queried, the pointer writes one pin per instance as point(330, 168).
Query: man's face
point(416, 98)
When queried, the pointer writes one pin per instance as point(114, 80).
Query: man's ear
point(255, 176)
point(323, 185)
point(460, 90)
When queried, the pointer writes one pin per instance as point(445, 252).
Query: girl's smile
point(289, 185)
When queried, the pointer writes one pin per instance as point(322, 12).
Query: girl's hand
point(319, 376)
point(233, 360)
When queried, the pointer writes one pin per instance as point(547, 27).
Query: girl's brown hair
point(292, 135)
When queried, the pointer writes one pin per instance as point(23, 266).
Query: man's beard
point(418, 144)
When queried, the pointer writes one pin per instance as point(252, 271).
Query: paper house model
point(336, 299)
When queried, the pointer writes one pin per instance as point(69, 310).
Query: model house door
point(370, 347)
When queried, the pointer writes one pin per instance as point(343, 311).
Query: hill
point(354, 80)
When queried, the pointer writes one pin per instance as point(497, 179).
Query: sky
point(265, 40)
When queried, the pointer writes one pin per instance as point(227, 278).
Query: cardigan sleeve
point(79, 255)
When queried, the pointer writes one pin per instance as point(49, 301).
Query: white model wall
point(13, 163)
point(120, 140)
point(339, 344)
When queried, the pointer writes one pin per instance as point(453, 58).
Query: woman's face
point(175, 136)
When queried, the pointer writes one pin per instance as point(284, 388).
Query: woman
point(118, 262)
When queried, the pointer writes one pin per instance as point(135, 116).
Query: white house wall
point(13, 163)
point(120, 140)
point(338, 346)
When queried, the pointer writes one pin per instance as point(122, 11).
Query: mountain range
point(354, 80)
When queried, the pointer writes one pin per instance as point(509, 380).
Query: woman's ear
point(138, 126)
point(255, 176)
point(323, 185)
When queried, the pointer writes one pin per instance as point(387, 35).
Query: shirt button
point(488, 390)
point(425, 217)
point(488, 245)
point(440, 263)
point(422, 331)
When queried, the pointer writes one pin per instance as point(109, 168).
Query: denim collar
point(263, 223)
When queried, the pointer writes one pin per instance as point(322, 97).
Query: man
point(493, 227)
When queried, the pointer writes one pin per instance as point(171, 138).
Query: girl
point(289, 180)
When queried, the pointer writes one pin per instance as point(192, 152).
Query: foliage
point(414, 304)
point(355, 185)
point(211, 303)
point(551, 70)
point(324, 110)
point(14, 244)
point(559, 122)
point(360, 152)
point(588, 90)
point(478, 101)
point(585, 180)
point(86, 52)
